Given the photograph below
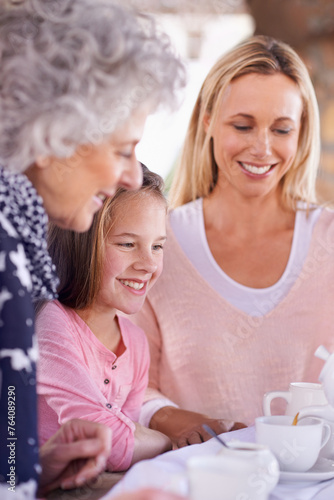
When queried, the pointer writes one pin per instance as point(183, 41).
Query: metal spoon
point(213, 434)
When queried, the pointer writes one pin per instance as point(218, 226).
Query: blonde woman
point(247, 289)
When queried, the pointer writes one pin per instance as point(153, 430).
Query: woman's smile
point(257, 170)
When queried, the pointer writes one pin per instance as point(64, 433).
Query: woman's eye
point(242, 128)
point(282, 131)
point(125, 155)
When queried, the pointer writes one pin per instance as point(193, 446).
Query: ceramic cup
point(299, 395)
point(296, 447)
point(309, 400)
point(251, 473)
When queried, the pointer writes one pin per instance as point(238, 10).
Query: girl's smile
point(134, 286)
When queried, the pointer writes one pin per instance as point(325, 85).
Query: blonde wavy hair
point(196, 173)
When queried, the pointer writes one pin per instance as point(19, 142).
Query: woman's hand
point(75, 454)
point(149, 443)
point(185, 427)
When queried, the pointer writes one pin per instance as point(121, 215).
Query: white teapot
point(325, 412)
point(326, 376)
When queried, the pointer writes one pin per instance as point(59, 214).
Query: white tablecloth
point(168, 472)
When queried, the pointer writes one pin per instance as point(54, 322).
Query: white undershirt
point(187, 223)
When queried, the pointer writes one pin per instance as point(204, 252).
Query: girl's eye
point(158, 247)
point(126, 245)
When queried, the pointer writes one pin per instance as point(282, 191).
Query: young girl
point(93, 362)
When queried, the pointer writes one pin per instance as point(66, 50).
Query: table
point(95, 491)
point(167, 471)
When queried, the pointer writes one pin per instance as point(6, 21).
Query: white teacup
point(251, 472)
point(299, 395)
point(296, 447)
point(309, 400)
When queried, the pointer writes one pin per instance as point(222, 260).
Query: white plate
point(323, 469)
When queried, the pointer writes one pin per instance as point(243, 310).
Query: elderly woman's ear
point(42, 161)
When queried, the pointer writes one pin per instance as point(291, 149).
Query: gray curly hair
point(71, 71)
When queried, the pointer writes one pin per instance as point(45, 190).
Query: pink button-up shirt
point(78, 377)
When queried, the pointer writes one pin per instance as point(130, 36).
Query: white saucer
point(322, 470)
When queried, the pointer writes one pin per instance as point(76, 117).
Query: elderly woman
point(78, 79)
point(247, 290)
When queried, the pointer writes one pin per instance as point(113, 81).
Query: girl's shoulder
point(54, 316)
point(49, 306)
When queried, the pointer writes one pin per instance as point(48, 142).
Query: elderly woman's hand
point(75, 454)
point(185, 427)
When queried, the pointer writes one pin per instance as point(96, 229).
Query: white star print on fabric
point(20, 260)
point(19, 359)
point(4, 296)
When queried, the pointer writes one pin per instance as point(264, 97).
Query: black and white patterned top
point(26, 274)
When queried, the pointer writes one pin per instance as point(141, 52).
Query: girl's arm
point(65, 384)
point(149, 443)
